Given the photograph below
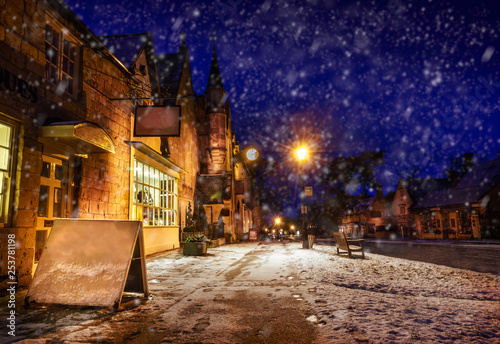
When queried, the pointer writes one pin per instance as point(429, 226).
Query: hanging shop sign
point(12, 83)
point(157, 121)
point(308, 190)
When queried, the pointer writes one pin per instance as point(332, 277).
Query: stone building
point(70, 144)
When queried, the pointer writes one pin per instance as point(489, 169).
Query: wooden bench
point(345, 244)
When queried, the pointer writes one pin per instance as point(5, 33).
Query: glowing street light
point(301, 153)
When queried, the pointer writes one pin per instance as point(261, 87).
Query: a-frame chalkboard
point(90, 263)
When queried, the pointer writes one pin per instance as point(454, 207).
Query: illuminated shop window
point(154, 196)
point(5, 169)
point(61, 57)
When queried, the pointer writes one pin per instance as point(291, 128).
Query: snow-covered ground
point(281, 293)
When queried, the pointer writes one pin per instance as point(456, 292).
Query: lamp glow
point(301, 153)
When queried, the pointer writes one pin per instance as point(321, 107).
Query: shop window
point(464, 222)
point(61, 58)
point(7, 136)
point(154, 196)
point(428, 223)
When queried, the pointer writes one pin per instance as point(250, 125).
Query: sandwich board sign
point(90, 263)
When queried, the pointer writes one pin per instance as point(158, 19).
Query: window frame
point(64, 36)
point(159, 196)
point(9, 187)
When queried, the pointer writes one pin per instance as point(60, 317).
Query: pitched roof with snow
point(361, 207)
point(470, 188)
point(418, 188)
point(126, 48)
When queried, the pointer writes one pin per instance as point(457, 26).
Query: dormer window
point(61, 58)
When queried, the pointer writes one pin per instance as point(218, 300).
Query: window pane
point(70, 85)
point(140, 194)
point(65, 64)
point(58, 173)
point(66, 47)
point(45, 169)
point(146, 174)
point(5, 133)
point(55, 38)
point(53, 74)
point(157, 197)
point(43, 201)
point(139, 172)
point(57, 209)
point(41, 236)
point(4, 158)
point(157, 178)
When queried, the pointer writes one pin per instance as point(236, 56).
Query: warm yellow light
point(278, 220)
point(293, 227)
point(301, 153)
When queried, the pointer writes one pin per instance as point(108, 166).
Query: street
point(474, 257)
point(280, 293)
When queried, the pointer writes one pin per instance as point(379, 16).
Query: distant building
point(367, 216)
point(468, 209)
point(409, 192)
point(73, 145)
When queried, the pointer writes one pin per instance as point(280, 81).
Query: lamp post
point(301, 154)
point(278, 221)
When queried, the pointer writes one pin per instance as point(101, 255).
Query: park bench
point(346, 244)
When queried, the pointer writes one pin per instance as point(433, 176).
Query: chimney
point(379, 190)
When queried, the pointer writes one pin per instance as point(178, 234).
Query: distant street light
point(301, 153)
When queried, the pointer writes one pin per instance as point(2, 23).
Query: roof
point(471, 188)
point(170, 67)
point(418, 188)
point(126, 48)
point(215, 78)
point(361, 207)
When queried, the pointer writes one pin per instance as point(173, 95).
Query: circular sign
point(252, 154)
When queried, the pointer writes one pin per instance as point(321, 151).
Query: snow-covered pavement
point(281, 293)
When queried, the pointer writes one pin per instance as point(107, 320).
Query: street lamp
point(301, 153)
point(278, 221)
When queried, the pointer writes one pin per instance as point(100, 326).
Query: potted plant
point(195, 245)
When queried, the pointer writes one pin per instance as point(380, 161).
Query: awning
point(150, 152)
point(79, 137)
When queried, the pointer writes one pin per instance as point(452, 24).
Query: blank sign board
point(90, 263)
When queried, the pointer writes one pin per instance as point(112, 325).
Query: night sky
point(417, 79)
